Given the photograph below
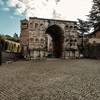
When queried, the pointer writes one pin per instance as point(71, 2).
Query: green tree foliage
point(8, 36)
point(15, 36)
point(82, 27)
point(3, 44)
point(94, 16)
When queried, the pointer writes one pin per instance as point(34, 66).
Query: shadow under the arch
point(56, 34)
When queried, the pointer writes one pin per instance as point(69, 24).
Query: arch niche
point(57, 36)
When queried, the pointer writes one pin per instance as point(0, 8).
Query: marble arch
point(59, 30)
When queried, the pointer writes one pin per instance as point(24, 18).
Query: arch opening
point(57, 40)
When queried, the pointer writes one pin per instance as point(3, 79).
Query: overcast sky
point(12, 11)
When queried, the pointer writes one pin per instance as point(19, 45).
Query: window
point(36, 25)
point(31, 39)
point(24, 23)
point(24, 29)
point(66, 27)
point(71, 27)
point(41, 24)
point(75, 27)
point(31, 25)
point(42, 40)
point(37, 40)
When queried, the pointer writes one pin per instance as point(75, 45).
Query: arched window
point(42, 40)
point(36, 40)
point(71, 27)
point(36, 25)
point(31, 39)
point(66, 27)
point(75, 40)
point(75, 27)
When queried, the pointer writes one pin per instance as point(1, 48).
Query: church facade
point(47, 37)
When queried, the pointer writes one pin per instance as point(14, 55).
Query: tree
point(82, 28)
point(8, 36)
point(15, 36)
point(94, 16)
point(3, 44)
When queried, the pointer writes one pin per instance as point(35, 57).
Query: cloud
point(12, 17)
point(1, 2)
point(5, 9)
point(30, 8)
point(12, 3)
point(20, 8)
point(56, 15)
point(57, 9)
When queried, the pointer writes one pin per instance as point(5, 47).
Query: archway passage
point(57, 38)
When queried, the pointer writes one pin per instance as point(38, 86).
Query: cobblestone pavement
point(50, 80)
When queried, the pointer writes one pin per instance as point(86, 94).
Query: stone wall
point(11, 56)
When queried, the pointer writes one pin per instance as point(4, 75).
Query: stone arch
point(57, 35)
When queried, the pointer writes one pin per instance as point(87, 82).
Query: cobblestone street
point(76, 79)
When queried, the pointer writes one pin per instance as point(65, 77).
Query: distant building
point(94, 36)
point(12, 46)
point(24, 35)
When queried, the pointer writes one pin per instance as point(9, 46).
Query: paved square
point(50, 80)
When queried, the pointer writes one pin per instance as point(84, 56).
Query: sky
point(12, 11)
